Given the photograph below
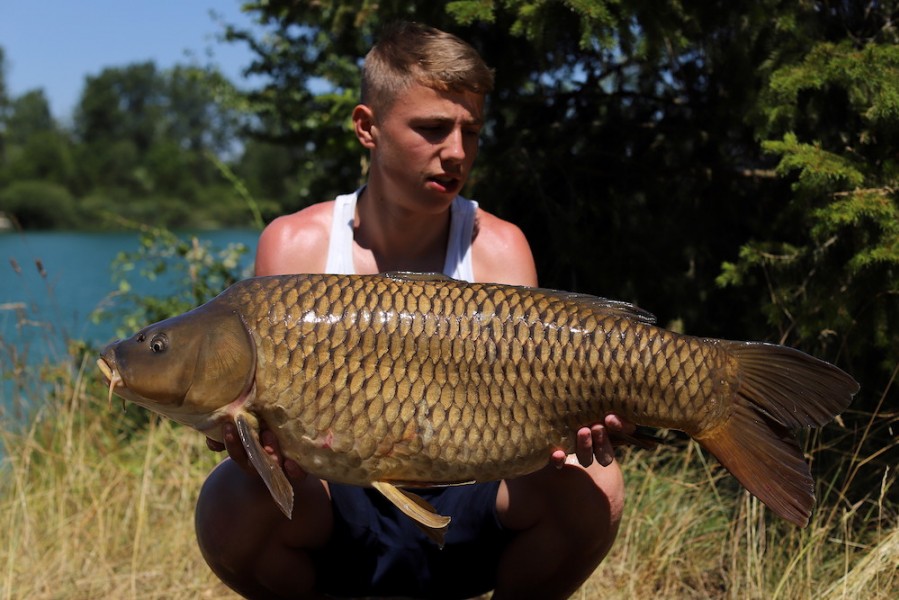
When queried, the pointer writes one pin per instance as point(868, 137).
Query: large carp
point(402, 380)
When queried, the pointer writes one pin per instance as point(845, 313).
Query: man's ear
point(364, 125)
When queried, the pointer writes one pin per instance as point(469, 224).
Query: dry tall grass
point(89, 510)
point(689, 532)
point(88, 513)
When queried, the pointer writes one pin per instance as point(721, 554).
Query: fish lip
point(111, 374)
point(105, 369)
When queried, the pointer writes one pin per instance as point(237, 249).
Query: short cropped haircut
point(411, 53)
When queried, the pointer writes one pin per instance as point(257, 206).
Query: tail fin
point(781, 389)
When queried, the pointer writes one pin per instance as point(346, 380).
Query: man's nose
point(454, 146)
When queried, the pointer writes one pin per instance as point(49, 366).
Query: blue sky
point(54, 44)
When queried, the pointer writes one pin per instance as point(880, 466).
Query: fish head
point(186, 367)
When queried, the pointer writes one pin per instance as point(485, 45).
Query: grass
point(91, 510)
point(97, 502)
point(689, 532)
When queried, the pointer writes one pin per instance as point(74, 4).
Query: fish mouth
point(112, 377)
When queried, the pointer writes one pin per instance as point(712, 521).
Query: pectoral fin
point(267, 466)
point(416, 508)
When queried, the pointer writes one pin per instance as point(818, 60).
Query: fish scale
point(421, 380)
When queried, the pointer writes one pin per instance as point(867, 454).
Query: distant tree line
point(145, 145)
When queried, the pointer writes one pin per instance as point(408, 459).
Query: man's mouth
point(445, 182)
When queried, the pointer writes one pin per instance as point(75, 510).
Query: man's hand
point(595, 441)
point(238, 454)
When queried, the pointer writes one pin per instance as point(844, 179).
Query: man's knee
point(567, 520)
point(609, 496)
point(610, 483)
point(249, 544)
point(578, 503)
point(232, 518)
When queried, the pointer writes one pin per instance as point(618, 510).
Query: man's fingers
point(558, 459)
point(235, 447)
point(602, 445)
point(593, 443)
point(294, 471)
point(231, 443)
point(616, 424)
point(584, 447)
point(269, 442)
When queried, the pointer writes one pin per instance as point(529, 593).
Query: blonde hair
point(411, 53)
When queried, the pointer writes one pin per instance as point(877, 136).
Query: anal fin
point(765, 457)
point(418, 509)
point(267, 466)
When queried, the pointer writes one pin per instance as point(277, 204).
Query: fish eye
point(159, 343)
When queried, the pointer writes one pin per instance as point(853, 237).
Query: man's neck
point(389, 236)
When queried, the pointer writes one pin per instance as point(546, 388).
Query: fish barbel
point(402, 380)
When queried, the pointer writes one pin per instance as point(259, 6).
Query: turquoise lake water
point(51, 282)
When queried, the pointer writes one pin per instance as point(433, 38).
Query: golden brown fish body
point(424, 380)
point(439, 381)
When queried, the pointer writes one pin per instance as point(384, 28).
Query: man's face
point(425, 144)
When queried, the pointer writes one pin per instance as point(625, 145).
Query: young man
point(538, 536)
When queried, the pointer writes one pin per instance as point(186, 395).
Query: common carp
point(412, 380)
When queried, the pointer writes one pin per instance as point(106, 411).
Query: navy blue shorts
point(375, 550)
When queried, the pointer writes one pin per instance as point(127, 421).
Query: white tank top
point(458, 248)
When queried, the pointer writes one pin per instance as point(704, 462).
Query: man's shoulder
point(297, 242)
point(307, 225)
point(314, 216)
point(501, 252)
point(492, 229)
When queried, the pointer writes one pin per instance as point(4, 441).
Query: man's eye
point(431, 128)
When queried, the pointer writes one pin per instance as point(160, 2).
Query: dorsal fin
point(597, 303)
point(412, 276)
point(606, 306)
